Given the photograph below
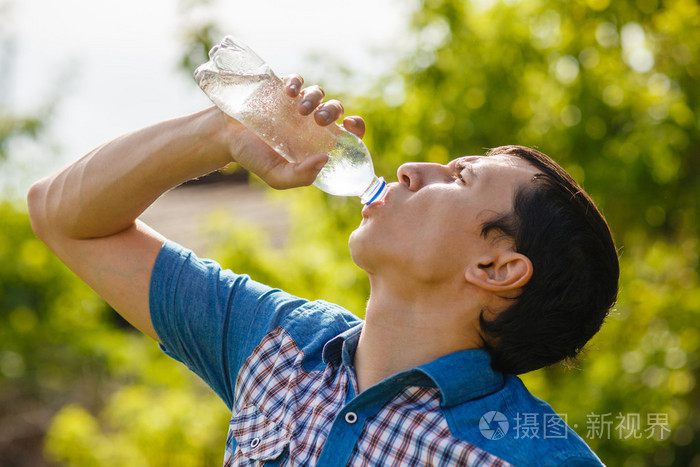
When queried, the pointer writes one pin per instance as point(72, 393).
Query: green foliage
point(46, 318)
point(197, 37)
point(12, 126)
point(117, 399)
point(609, 89)
point(43, 307)
point(157, 415)
point(610, 94)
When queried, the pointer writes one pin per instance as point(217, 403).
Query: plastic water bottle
point(242, 85)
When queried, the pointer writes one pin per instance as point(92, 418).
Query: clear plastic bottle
point(241, 84)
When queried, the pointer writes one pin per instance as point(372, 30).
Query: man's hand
point(257, 157)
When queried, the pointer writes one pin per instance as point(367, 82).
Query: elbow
point(37, 207)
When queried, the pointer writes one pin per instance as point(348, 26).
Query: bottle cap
point(379, 192)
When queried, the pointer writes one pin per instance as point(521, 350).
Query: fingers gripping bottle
point(242, 85)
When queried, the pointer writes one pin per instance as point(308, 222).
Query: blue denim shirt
point(214, 320)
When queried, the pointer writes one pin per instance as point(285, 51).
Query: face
point(430, 223)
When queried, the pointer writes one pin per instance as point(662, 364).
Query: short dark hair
point(575, 270)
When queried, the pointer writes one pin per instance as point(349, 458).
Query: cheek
point(451, 236)
point(390, 240)
point(422, 234)
point(431, 243)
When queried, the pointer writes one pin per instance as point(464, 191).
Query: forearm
point(105, 191)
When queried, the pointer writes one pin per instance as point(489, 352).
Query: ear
point(504, 272)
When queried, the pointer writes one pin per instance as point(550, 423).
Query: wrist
point(219, 133)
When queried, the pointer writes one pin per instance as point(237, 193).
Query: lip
point(368, 208)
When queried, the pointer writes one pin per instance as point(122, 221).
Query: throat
point(392, 343)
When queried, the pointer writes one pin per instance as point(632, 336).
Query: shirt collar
point(460, 376)
point(342, 347)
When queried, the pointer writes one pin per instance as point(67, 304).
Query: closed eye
point(463, 165)
point(460, 167)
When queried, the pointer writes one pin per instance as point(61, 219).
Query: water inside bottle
point(260, 103)
point(242, 85)
point(230, 91)
point(349, 170)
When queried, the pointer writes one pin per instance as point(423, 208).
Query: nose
point(416, 175)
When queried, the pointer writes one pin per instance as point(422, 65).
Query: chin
point(362, 248)
point(353, 245)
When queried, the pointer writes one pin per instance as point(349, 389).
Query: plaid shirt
point(282, 410)
point(284, 366)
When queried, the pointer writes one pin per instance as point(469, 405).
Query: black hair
point(575, 270)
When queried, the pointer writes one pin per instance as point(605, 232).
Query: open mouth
point(376, 203)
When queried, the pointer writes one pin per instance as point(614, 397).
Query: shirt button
point(351, 417)
point(254, 443)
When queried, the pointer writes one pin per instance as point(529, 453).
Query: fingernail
point(307, 106)
point(294, 88)
point(323, 115)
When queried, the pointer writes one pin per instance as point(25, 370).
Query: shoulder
point(213, 318)
point(180, 274)
point(291, 356)
point(313, 325)
point(518, 427)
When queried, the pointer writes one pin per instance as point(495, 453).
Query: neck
point(404, 330)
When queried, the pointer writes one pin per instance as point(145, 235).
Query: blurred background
point(608, 89)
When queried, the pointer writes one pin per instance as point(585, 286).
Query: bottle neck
point(376, 191)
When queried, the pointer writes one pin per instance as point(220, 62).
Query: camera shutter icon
point(493, 425)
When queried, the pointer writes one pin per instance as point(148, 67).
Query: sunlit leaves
point(609, 89)
point(608, 85)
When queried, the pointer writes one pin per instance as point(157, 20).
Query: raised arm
point(87, 212)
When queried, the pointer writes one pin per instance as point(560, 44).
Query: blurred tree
point(115, 397)
point(11, 125)
point(43, 329)
point(63, 350)
point(28, 398)
point(609, 89)
point(198, 33)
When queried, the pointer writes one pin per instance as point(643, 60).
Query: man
point(480, 269)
